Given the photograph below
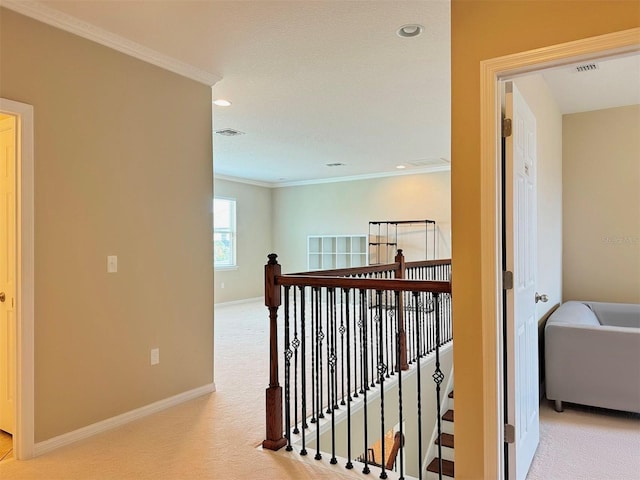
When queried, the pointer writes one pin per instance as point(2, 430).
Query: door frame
point(492, 73)
point(24, 438)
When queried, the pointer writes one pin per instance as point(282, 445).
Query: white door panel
point(522, 326)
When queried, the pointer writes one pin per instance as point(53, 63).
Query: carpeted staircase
point(447, 447)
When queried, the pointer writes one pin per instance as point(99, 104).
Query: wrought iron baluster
point(400, 412)
point(303, 369)
point(318, 374)
point(349, 464)
point(419, 390)
point(295, 343)
point(381, 370)
point(438, 376)
point(332, 360)
point(365, 376)
point(343, 356)
point(287, 370)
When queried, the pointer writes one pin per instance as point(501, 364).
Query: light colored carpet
point(585, 443)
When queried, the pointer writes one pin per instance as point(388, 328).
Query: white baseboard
point(54, 443)
point(238, 302)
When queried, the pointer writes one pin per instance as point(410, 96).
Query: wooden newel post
point(275, 440)
point(400, 273)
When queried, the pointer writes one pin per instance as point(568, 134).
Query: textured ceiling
point(318, 82)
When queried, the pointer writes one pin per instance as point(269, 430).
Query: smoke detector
point(228, 132)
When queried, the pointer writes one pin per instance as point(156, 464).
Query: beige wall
point(122, 167)
point(601, 178)
point(254, 224)
point(480, 30)
point(346, 208)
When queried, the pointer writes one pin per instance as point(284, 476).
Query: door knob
point(542, 298)
point(3, 297)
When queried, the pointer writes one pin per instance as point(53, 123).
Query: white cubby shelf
point(327, 252)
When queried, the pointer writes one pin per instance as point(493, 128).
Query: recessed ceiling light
point(410, 30)
point(400, 167)
point(221, 102)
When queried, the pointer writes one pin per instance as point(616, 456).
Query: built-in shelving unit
point(326, 252)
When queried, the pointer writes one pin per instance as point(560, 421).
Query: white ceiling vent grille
point(586, 67)
point(228, 132)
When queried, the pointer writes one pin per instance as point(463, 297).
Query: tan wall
point(122, 167)
point(346, 208)
point(601, 178)
point(482, 30)
point(253, 216)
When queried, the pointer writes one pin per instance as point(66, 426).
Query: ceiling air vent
point(336, 164)
point(228, 132)
point(586, 67)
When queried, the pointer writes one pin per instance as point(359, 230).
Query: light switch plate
point(112, 264)
point(155, 356)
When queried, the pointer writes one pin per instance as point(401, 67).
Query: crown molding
point(366, 176)
point(248, 181)
point(63, 21)
point(352, 178)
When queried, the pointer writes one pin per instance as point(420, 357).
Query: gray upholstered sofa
point(592, 355)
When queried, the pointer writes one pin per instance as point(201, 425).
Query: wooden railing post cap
point(273, 259)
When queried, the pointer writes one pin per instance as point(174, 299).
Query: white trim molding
point(68, 23)
point(119, 420)
point(492, 72)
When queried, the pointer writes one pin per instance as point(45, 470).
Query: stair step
point(451, 394)
point(446, 440)
point(448, 416)
point(447, 467)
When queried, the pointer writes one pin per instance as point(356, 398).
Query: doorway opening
point(493, 72)
point(18, 307)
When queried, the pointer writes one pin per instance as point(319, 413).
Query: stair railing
point(347, 332)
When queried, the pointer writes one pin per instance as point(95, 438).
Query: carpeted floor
point(584, 443)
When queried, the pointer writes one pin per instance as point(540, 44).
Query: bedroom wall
point(253, 243)
point(123, 166)
point(601, 178)
point(347, 207)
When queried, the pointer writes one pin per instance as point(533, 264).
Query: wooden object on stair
point(446, 440)
point(447, 467)
point(448, 416)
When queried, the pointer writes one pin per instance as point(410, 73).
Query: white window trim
point(234, 233)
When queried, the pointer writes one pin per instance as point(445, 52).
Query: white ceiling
point(317, 82)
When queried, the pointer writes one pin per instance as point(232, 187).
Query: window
point(224, 232)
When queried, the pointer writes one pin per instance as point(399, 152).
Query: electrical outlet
point(155, 356)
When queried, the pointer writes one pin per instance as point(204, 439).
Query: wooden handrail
point(428, 263)
point(398, 441)
point(344, 272)
point(390, 284)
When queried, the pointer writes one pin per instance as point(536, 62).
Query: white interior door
point(522, 325)
point(7, 273)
